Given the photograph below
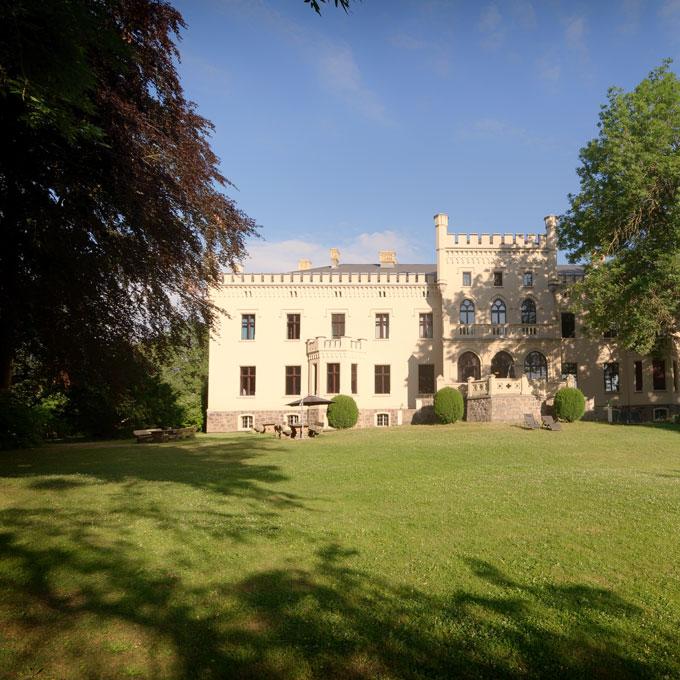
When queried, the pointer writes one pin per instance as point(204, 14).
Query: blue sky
point(354, 130)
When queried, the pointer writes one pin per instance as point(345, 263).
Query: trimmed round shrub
point(448, 405)
point(570, 404)
point(342, 412)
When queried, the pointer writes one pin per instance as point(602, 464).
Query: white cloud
point(336, 66)
point(494, 128)
point(280, 256)
point(524, 14)
point(574, 35)
point(548, 70)
point(630, 16)
point(491, 26)
point(404, 41)
point(340, 74)
point(670, 8)
point(669, 13)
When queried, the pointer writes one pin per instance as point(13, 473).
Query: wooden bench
point(146, 435)
point(158, 435)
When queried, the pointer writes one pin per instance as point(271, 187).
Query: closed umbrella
point(309, 400)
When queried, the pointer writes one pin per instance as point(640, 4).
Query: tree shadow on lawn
point(329, 620)
point(225, 467)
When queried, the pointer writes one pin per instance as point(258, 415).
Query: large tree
point(113, 218)
point(625, 221)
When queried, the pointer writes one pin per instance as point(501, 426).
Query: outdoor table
point(296, 430)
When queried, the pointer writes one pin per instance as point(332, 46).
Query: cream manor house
point(490, 318)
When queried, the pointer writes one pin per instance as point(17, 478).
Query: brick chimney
point(303, 265)
point(335, 258)
point(388, 258)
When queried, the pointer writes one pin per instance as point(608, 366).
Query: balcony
point(344, 344)
point(489, 331)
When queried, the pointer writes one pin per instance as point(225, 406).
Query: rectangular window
point(382, 420)
point(293, 419)
point(247, 327)
point(246, 422)
point(337, 325)
point(425, 325)
point(638, 376)
point(382, 379)
point(247, 381)
point(333, 378)
point(660, 414)
point(426, 379)
point(569, 368)
point(658, 374)
point(568, 325)
point(611, 377)
point(354, 378)
point(528, 279)
point(498, 278)
point(293, 379)
point(467, 278)
point(293, 327)
point(382, 326)
point(316, 378)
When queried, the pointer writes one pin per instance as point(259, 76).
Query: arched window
point(535, 366)
point(468, 367)
point(467, 312)
point(502, 365)
point(528, 310)
point(498, 312)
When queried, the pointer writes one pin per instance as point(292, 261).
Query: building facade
point(489, 317)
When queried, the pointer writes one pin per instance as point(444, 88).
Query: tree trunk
point(5, 366)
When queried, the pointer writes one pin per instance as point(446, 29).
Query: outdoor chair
point(530, 422)
point(551, 423)
point(314, 431)
point(259, 429)
point(284, 429)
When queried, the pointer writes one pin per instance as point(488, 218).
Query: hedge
point(342, 412)
point(448, 405)
point(570, 404)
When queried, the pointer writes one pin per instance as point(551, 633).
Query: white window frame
point(240, 422)
point(378, 417)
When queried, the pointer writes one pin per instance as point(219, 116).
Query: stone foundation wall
point(499, 409)
point(229, 421)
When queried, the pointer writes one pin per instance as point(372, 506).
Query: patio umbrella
point(309, 400)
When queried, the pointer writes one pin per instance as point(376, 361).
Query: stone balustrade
point(489, 331)
point(320, 344)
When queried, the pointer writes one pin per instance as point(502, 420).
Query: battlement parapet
point(316, 278)
point(473, 240)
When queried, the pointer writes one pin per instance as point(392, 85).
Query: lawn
point(472, 550)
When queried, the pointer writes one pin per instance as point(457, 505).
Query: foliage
point(21, 425)
point(449, 405)
point(625, 221)
point(112, 208)
point(412, 552)
point(185, 370)
point(316, 4)
point(342, 412)
point(137, 389)
point(570, 404)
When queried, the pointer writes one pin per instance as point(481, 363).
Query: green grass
point(451, 551)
